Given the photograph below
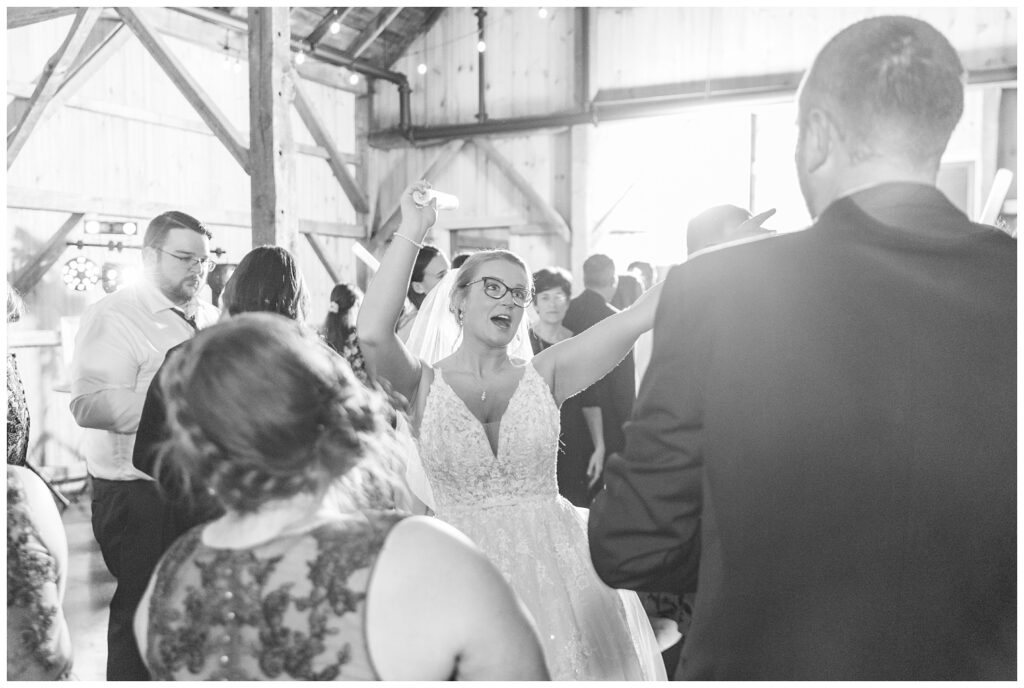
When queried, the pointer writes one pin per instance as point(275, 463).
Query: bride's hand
point(416, 219)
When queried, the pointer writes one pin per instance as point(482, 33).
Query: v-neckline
point(496, 449)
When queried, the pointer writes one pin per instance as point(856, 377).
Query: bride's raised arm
point(385, 353)
point(574, 364)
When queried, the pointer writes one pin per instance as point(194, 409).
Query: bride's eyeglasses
point(496, 289)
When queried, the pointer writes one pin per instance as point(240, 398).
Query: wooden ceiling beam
point(336, 14)
point(519, 181)
point(189, 87)
point(356, 196)
point(27, 277)
point(53, 76)
point(433, 14)
point(374, 29)
point(26, 16)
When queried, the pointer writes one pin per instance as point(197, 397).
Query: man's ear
point(821, 139)
point(418, 288)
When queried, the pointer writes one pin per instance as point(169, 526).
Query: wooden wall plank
point(49, 82)
point(25, 16)
point(355, 194)
point(189, 87)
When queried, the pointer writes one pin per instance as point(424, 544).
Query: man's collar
point(154, 299)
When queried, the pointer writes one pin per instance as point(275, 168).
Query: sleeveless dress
point(291, 608)
point(38, 648)
point(510, 507)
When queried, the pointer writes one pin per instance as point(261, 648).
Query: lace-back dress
point(292, 608)
point(508, 504)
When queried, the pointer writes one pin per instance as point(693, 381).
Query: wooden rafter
point(106, 38)
point(25, 198)
point(53, 75)
point(336, 14)
point(50, 253)
point(519, 181)
point(189, 87)
point(433, 14)
point(314, 243)
point(272, 148)
point(355, 195)
point(374, 29)
point(444, 158)
point(25, 16)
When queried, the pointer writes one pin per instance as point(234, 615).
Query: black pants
point(128, 520)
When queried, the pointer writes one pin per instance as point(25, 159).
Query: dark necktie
point(191, 321)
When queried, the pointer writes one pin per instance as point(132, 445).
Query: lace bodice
point(292, 608)
point(457, 457)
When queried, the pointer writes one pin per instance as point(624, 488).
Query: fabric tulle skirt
point(589, 631)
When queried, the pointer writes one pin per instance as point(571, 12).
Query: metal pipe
point(481, 114)
point(652, 101)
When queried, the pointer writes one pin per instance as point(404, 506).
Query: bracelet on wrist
point(402, 236)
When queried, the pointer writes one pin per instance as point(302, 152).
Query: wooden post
point(318, 249)
point(579, 245)
point(50, 80)
point(33, 271)
point(271, 147)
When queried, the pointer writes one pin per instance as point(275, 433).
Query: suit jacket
point(824, 448)
point(616, 391)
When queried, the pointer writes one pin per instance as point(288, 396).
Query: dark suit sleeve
point(645, 525)
point(152, 425)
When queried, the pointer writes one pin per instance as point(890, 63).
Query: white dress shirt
point(120, 346)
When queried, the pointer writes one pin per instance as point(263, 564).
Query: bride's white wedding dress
point(509, 505)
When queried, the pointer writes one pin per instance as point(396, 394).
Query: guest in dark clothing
point(267, 279)
point(553, 289)
point(628, 290)
point(339, 330)
point(608, 403)
point(722, 224)
point(825, 443)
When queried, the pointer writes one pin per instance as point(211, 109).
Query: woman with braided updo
point(339, 330)
point(282, 586)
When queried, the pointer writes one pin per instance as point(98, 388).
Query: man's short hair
point(598, 271)
point(646, 269)
point(894, 86)
point(159, 226)
point(553, 278)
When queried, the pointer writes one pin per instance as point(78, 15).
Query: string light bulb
point(481, 46)
point(353, 78)
point(542, 13)
point(335, 27)
point(300, 57)
point(422, 68)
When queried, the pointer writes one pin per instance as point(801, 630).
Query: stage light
point(542, 13)
point(481, 46)
point(92, 226)
point(129, 228)
point(300, 57)
point(80, 274)
point(335, 27)
point(421, 68)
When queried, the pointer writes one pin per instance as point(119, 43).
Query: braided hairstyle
point(339, 323)
point(259, 409)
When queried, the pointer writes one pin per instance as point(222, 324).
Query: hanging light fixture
point(80, 274)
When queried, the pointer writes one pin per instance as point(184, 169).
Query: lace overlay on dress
point(292, 608)
point(507, 502)
point(33, 606)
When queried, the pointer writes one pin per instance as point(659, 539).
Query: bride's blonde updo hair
point(471, 267)
point(259, 409)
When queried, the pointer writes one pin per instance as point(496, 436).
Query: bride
point(487, 428)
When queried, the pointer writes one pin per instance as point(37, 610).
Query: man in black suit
point(608, 403)
point(824, 442)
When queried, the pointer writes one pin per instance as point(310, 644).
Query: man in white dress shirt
point(120, 345)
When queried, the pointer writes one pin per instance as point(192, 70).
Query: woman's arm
point(383, 350)
point(456, 617)
point(578, 362)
